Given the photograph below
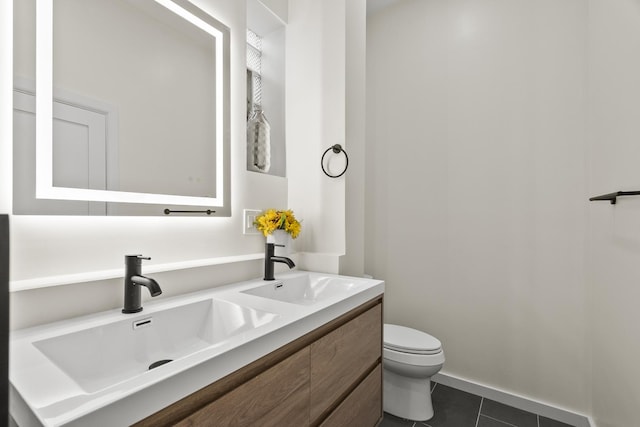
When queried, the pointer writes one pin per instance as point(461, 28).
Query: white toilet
point(410, 359)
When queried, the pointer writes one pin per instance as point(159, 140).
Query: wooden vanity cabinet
point(331, 376)
point(277, 397)
point(342, 359)
point(362, 406)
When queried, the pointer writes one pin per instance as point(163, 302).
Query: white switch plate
point(247, 225)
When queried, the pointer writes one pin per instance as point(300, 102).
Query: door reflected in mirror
point(132, 106)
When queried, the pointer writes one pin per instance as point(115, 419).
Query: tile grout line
point(479, 411)
point(500, 421)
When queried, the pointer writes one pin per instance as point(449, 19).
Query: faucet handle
point(136, 259)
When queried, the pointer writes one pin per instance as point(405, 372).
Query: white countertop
point(43, 394)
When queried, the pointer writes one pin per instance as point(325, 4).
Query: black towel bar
point(613, 196)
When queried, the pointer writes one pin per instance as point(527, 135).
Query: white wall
point(273, 93)
point(356, 68)
point(315, 103)
point(475, 192)
point(279, 7)
point(614, 231)
point(6, 108)
point(49, 246)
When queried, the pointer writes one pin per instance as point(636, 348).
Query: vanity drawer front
point(278, 396)
point(340, 359)
point(363, 407)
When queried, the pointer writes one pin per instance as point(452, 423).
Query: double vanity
point(304, 349)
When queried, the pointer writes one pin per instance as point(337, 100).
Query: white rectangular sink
point(104, 355)
point(305, 289)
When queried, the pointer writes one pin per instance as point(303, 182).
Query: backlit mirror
point(130, 110)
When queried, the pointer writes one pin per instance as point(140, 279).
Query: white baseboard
point(520, 402)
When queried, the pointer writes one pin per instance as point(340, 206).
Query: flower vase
point(281, 237)
point(258, 142)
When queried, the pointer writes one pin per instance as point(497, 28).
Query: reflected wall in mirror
point(131, 111)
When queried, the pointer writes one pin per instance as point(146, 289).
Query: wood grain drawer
point(340, 359)
point(363, 407)
point(279, 396)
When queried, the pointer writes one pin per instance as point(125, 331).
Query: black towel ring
point(336, 149)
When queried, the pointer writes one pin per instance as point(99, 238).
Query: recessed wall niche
point(266, 86)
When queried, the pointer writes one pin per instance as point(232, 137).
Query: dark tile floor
point(456, 408)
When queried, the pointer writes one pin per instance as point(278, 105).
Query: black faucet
point(270, 258)
point(133, 279)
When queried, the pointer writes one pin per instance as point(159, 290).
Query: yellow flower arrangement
point(271, 220)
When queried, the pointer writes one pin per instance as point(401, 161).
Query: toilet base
point(406, 397)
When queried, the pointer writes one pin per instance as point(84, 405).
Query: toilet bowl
point(410, 359)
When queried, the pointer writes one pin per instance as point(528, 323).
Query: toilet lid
point(408, 340)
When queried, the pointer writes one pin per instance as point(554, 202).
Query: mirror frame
point(44, 116)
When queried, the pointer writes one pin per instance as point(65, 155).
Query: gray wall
point(476, 194)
